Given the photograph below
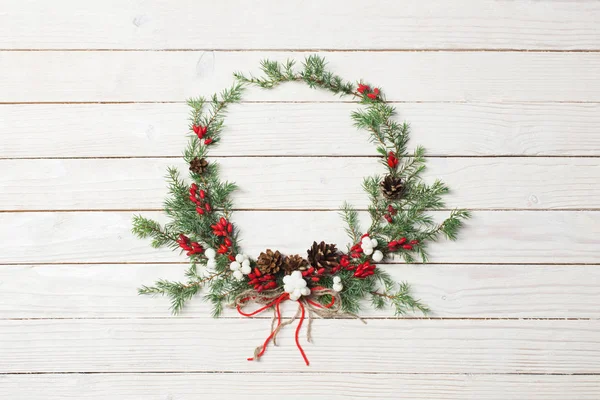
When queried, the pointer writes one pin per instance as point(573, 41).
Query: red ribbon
point(283, 297)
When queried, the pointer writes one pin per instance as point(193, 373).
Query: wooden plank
point(519, 237)
point(284, 129)
point(451, 291)
point(404, 346)
point(270, 24)
point(219, 386)
point(175, 76)
point(297, 183)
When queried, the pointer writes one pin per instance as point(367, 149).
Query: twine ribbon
point(273, 299)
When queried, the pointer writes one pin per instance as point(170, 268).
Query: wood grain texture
point(451, 291)
point(175, 76)
point(467, 129)
point(409, 346)
point(154, 386)
point(490, 237)
point(301, 25)
point(297, 183)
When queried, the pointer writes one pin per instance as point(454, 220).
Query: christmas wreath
point(325, 281)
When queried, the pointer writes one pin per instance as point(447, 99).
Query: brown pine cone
point(198, 165)
point(294, 263)
point(269, 262)
point(392, 187)
point(323, 255)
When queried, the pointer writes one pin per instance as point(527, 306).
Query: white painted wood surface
point(91, 112)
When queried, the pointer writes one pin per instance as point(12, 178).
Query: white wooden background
point(504, 94)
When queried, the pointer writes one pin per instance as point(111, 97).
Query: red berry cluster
point(403, 243)
point(364, 270)
point(201, 131)
point(366, 89)
point(199, 199)
point(223, 229)
point(391, 212)
point(315, 274)
point(261, 282)
point(189, 246)
point(361, 271)
point(392, 160)
point(356, 251)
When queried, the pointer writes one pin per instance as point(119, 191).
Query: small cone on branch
point(198, 165)
point(392, 187)
point(323, 255)
point(269, 262)
point(294, 263)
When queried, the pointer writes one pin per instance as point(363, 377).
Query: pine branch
point(402, 301)
point(350, 217)
point(147, 228)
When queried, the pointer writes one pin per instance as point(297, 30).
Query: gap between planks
point(288, 210)
point(299, 156)
point(391, 318)
point(329, 50)
point(201, 372)
point(305, 102)
point(185, 263)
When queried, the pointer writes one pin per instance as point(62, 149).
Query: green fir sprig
point(400, 212)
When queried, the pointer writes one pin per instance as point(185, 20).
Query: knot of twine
point(273, 299)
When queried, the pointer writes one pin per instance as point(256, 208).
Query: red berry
point(407, 247)
point(208, 141)
point(222, 221)
point(199, 210)
point(376, 91)
point(229, 227)
point(228, 242)
point(315, 279)
point(372, 96)
point(388, 218)
point(402, 240)
point(392, 161)
point(231, 257)
point(414, 242)
point(202, 194)
point(362, 88)
point(207, 207)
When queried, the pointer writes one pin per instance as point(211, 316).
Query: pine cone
point(198, 165)
point(392, 187)
point(323, 255)
point(294, 263)
point(269, 262)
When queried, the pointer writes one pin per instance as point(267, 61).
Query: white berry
point(246, 269)
point(246, 263)
point(377, 256)
point(374, 242)
point(338, 287)
point(295, 285)
point(234, 266)
point(238, 275)
point(210, 253)
point(368, 251)
point(211, 263)
point(239, 258)
point(337, 279)
point(366, 242)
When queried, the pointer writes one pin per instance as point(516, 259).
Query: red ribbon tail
point(298, 331)
point(275, 302)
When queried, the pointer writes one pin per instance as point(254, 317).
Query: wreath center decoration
point(327, 282)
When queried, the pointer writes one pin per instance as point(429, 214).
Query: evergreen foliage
point(399, 219)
